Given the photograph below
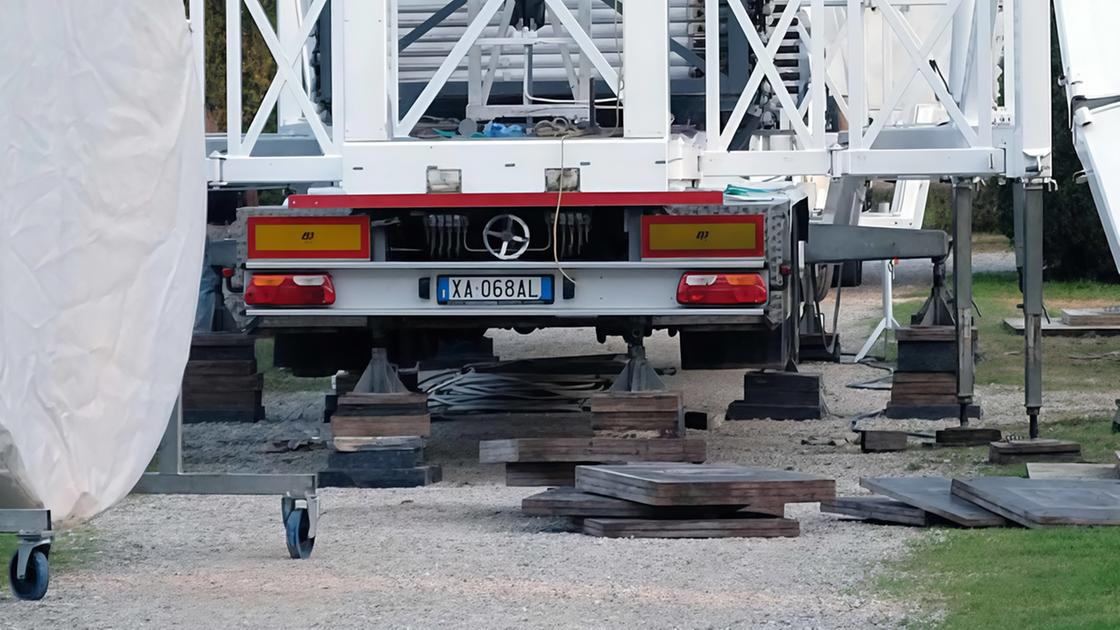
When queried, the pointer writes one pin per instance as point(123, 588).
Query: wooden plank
point(1041, 470)
point(1108, 316)
point(743, 410)
point(924, 381)
point(934, 495)
point(922, 400)
point(1023, 451)
point(667, 424)
point(608, 402)
point(531, 475)
point(237, 367)
point(224, 340)
point(387, 426)
point(929, 412)
point(604, 450)
point(781, 381)
point(248, 383)
point(376, 460)
point(878, 509)
point(927, 356)
point(708, 484)
point(926, 333)
point(402, 398)
point(360, 444)
point(967, 436)
point(692, 528)
point(1045, 502)
point(505, 426)
point(217, 401)
point(575, 503)
point(1059, 329)
point(882, 441)
point(384, 478)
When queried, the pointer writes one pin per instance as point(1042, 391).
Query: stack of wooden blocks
point(626, 427)
point(925, 383)
point(378, 442)
point(681, 501)
point(221, 382)
point(779, 396)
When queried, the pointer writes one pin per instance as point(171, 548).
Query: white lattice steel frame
point(362, 144)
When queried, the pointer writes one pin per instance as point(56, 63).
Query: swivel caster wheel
point(32, 585)
point(297, 529)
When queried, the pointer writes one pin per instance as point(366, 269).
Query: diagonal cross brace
point(285, 72)
point(920, 61)
point(584, 42)
point(765, 68)
point(447, 68)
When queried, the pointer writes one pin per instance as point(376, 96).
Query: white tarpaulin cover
point(102, 197)
point(1087, 31)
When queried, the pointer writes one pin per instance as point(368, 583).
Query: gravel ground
point(460, 555)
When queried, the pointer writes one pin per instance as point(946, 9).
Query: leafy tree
point(257, 65)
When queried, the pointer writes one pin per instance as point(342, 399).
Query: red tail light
point(721, 289)
point(290, 290)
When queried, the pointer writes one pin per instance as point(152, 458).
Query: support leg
point(638, 375)
point(962, 290)
point(1033, 310)
point(380, 376)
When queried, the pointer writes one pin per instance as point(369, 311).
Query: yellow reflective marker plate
point(309, 237)
point(713, 236)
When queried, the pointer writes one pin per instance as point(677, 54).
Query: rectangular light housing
point(722, 289)
point(290, 290)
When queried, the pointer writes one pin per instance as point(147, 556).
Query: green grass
point(70, 549)
point(1012, 578)
point(1065, 362)
point(281, 379)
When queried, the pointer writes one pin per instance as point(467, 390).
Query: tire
point(296, 528)
point(33, 586)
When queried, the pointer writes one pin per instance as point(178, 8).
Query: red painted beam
point(508, 200)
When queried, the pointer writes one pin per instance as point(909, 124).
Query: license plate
point(494, 290)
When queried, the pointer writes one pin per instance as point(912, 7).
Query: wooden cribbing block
point(531, 475)
point(882, 441)
point(604, 450)
point(632, 402)
point(1045, 502)
point(967, 436)
point(664, 423)
point(1023, 451)
point(381, 415)
point(749, 527)
point(574, 503)
point(879, 509)
point(685, 484)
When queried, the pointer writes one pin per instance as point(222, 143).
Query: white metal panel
point(516, 165)
point(1090, 46)
point(1096, 136)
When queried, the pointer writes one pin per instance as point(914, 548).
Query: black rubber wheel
point(296, 528)
point(33, 586)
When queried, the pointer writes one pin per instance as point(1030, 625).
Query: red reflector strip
point(721, 289)
point(290, 290)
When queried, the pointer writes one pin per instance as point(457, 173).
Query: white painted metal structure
point(362, 143)
point(1089, 49)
